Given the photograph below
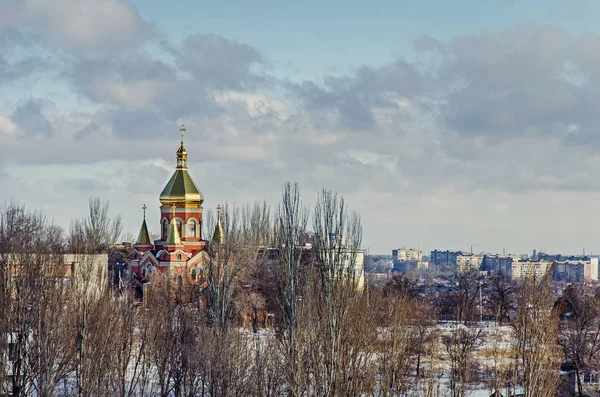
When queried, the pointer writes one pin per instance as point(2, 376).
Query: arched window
point(165, 229)
point(179, 228)
point(143, 271)
point(179, 281)
point(194, 274)
point(192, 228)
point(179, 257)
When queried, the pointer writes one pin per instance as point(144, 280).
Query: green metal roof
point(144, 236)
point(181, 188)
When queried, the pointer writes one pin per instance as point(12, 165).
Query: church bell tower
point(181, 209)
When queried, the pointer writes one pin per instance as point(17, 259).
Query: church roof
point(173, 237)
point(218, 235)
point(181, 188)
point(144, 236)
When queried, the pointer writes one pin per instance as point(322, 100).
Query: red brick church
point(180, 252)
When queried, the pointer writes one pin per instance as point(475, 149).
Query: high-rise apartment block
point(407, 254)
point(407, 260)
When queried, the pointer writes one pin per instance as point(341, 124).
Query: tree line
point(324, 336)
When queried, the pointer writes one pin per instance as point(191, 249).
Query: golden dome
point(181, 189)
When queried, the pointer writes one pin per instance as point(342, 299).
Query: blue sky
point(311, 38)
point(444, 124)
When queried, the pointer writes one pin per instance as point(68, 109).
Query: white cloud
point(8, 129)
point(82, 25)
point(135, 94)
point(217, 61)
point(257, 105)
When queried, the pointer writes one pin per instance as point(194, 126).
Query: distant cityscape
point(410, 261)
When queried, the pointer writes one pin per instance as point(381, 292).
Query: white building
point(571, 271)
point(408, 260)
point(404, 254)
point(528, 269)
point(352, 260)
point(576, 270)
point(468, 262)
point(354, 266)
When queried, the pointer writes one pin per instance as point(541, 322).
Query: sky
point(445, 124)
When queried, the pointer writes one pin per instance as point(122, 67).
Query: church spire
point(218, 235)
point(144, 237)
point(181, 152)
point(173, 237)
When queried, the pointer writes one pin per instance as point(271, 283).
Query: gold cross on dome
point(144, 208)
point(182, 129)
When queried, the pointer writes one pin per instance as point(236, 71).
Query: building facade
point(499, 264)
point(459, 260)
point(404, 254)
point(570, 271)
point(406, 260)
point(530, 269)
point(353, 264)
point(466, 262)
point(86, 273)
point(444, 258)
point(578, 270)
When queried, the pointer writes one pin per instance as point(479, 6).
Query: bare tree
point(496, 356)
point(402, 285)
point(93, 303)
point(268, 374)
point(501, 294)
point(53, 345)
point(338, 237)
point(163, 328)
point(460, 346)
point(98, 232)
point(32, 292)
point(579, 334)
point(128, 344)
point(228, 255)
point(256, 278)
point(461, 300)
point(394, 361)
point(422, 324)
point(290, 232)
point(535, 335)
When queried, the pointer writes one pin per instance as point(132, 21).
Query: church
point(180, 251)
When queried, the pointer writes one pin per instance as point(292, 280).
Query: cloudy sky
point(446, 124)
